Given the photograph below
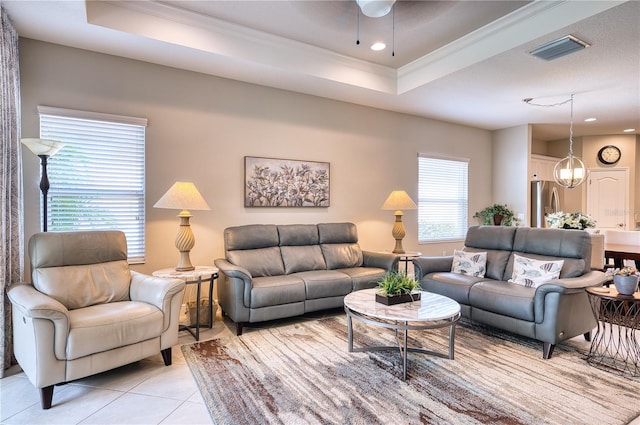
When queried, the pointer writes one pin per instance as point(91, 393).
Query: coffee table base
point(403, 327)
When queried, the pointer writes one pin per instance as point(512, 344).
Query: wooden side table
point(195, 277)
point(615, 345)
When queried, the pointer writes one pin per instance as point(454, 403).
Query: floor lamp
point(44, 149)
point(183, 196)
point(397, 201)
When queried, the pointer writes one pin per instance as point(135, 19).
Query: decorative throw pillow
point(469, 263)
point(533, 273)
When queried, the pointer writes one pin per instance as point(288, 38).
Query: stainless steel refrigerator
point(546, 198)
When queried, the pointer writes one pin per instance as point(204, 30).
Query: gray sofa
point(276, 271)
point(551, 313)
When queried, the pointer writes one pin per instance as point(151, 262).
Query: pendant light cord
point(358, 27)
point(393, 32)
point(571, 129)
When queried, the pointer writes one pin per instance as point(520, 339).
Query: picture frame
point(289, 183)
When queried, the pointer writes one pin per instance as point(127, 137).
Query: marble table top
point(430, 307)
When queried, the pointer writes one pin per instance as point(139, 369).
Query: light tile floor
point(145, 392)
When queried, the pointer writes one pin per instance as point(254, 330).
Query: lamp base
point(398, 248)
point(184, 263)
point(184, 242)
point(398, 233)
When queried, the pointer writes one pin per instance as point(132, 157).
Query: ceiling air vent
point(560, 47)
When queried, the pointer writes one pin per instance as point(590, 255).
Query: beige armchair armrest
point(157, 291)
point(36, 305)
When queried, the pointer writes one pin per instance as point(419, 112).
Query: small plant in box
point(396, 287)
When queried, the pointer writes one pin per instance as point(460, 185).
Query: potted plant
point(496, 214)
point(396, 287)
point(626, 280)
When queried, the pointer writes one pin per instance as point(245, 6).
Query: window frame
point(462, 212)
point(106, 138)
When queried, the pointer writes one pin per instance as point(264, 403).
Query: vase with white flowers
point(575, 220)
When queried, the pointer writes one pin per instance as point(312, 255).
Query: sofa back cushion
point(80, 269)
point(573, 246)
point(256, 248)
point(339, 244)
point(299, 248)
point(85, 285)
point(497, 241)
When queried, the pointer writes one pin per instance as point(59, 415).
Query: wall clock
point(609, 154)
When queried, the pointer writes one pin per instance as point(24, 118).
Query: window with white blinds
point(442, 198)
point(97, 178)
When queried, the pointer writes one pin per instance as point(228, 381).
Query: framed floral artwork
point(272, 182)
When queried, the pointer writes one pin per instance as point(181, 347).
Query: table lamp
point(183, 196)
point(44, 149)
point(397, 201)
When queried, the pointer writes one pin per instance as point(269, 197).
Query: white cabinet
point(542, 166)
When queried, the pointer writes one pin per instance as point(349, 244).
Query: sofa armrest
point(426, 265)
point(157, 291)
point(234, 290)
point(573, 284)
point(32, 304)
point(231, 270)
point(382, 260)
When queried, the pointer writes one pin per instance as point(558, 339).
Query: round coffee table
point(430, 312)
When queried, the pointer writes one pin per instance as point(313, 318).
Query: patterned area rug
point(302, 374)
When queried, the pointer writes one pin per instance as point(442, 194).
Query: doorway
point(607, 198)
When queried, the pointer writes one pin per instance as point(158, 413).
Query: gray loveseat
point(276, 271)
point(551, 312)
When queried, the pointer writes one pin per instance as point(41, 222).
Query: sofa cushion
point(559, 243)
point(302, 258)
point(259, 262)
point(490, 237)
point(364, 277)
point(453, 285)
point(469, 263)
point(325, 283)
point(276, 290)
point(533, 273)
point(298, 234)
point(104, 327)
point(85, 285)
point(337, 233)
point(572, 267)
point(251, 236)
point(342, 255)
point(505, 298)
point(496, 264)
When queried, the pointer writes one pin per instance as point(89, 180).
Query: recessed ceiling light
point(590, 119)
point(378, 46)
point(629, 130)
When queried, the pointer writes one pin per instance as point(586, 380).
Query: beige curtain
point(12, 224)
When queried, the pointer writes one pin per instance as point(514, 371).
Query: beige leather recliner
point(86, 312)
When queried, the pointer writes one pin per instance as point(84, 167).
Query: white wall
point(511, 152)
point(201, 127)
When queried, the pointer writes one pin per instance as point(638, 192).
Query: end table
point(406, 257)
point(615, 345)
point(194, 277)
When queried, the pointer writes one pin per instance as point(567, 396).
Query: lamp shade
point(43, 146)
point(182, 196)
point(399, 200)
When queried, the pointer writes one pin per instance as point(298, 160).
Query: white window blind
point(442, 198)
point(97, 178)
